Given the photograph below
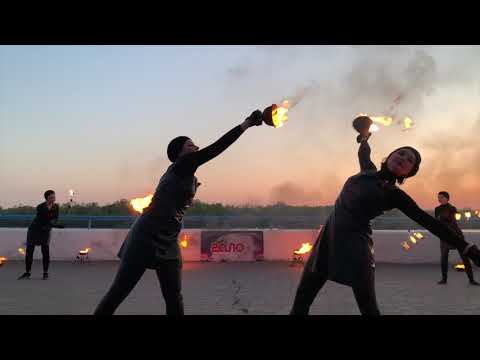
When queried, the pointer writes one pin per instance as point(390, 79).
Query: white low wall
point(278, 244)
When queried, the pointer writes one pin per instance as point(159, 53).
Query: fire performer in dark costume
point(343, 251)
point(446, 214)
point(38, 233)
point(152, 242)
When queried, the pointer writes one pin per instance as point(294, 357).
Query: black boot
point(442, 282)
point(45, 276)
point(473, 282)
point(474, 254)
point(26, 275)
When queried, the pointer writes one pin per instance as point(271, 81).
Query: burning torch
point(276, 115)
point(71, 192)
point(363, 125)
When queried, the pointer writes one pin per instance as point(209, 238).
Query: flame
point(407, 123)
point(384, 120)
point(460, 266)
point(85, 251)
point(279, 114)
point(477, 213)
point(3, 259)
point(184, 241)
point(418, 235)
point(21, 251)
point(413, 239)
point(306, 247)
point(458, 216)
point(71, 192)
point(468, 214)
point(373, 128)
point(405, 246)
point(139, 204)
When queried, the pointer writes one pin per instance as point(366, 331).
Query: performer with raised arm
point(39, 233)
point(343, 251)
point(152, 242)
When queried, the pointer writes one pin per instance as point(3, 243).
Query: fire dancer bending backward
point(445, 212)
point(152, 242)
point(38, 233)
point(343, 251)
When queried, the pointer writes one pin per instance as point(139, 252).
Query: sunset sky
point(98, 119)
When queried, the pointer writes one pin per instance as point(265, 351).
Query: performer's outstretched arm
point(364, 156)
point(189, 163)
point(408, 206)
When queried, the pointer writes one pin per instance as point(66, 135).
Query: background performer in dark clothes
point(152, 242)
point(446, 214)
point(38, 233)
point(343, 251)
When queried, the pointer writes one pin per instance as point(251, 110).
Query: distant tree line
point(199, 208)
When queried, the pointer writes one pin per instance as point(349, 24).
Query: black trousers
point(444, 250)
point(128, 275)
point(29, 256)
point(312, 282)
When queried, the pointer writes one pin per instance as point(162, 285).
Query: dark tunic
point(446, 214)
point(344, 248)
point(153, 237)
point(39, 230)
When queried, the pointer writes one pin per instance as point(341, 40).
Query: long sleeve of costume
point(364, 157)
point(403, 202)
point(188, 164)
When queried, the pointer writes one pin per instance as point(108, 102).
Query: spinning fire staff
point(39, 233)
point(343, 251)
point(446, 214)
point(152, 242)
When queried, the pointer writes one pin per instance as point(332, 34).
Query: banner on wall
point(232, 245)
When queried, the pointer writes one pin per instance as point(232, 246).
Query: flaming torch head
point(139, 204)
point(275, 115)
point(362, 124)
point(84, 251)
point(306, 247)
point(184, 241)
point(468, 215)
point(3, 259)
point(458, 216)
point(460, 267)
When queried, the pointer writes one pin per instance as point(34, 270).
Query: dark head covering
point(175, 147)
point(415, 168)
point(444, 193)
point(48, 193)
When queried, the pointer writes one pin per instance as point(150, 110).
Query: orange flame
point(21, 251)
point(407, 123)
point(279, 114)
point(384, 120)
point(373, 128)
point(468, 214)
point(460, 266)
point(458, 216)
point(306, 247)
point(413, 239)
point(418, 235)
point(3, 259)
point(184, 241)
point(85, 251)
point(405, 246)
point(139, 204)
